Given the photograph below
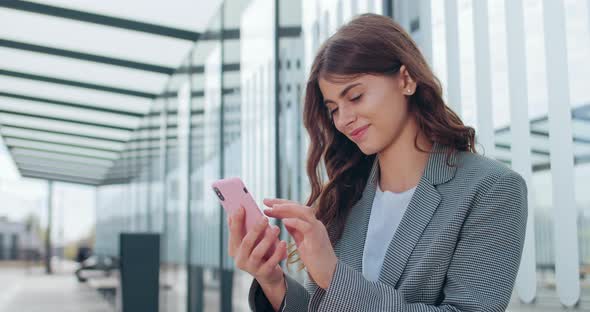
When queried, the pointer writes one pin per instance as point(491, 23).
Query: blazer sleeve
point(296, 298)
point(481, 273)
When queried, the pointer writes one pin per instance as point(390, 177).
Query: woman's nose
point(346, 116)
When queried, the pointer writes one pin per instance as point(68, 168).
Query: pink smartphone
point(232, 194)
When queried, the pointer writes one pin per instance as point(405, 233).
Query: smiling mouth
point(358, 133)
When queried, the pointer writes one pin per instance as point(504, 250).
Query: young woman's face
point(370, 110)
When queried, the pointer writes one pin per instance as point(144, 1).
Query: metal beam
point(533, 150)
point(88, 147)
point(61, 148)
point(57, 163)
point(289, 32)
point(575, 139)
point(200, 69)
point(60, 138)
point(59, 170)
point(70, 104)
point(115, 181)
point(51, 171)
point(6, 125)
point(228, 34)
point(56, 152)
point(57, 156)
point(86, 56)
point(198, 93)
point(78, 84)
point(99, 19)
point(87, 123)
point(57, 177)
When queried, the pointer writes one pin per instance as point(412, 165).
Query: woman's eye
point(333, 111)
point(356, 98)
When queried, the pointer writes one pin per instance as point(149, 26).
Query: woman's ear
point(406, 81)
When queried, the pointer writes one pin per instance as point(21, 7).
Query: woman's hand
point(249, 249)
point(311, 238)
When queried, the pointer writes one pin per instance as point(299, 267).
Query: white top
point(386, 214)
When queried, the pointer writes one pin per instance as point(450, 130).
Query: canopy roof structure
point(76, 82)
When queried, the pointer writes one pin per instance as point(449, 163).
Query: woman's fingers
point(290, 210)
point(297, 228)
point(262, 247)
point(236, 227)
point(247, 244)
point(269, 202)
point(279, 254)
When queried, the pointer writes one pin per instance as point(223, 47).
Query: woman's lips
point(358, 134)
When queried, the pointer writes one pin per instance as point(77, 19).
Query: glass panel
point(23, 162)
point(183, 11)
point(70, 113)
point(89, 174)
point(175, 231)
point(63, 126)
point(60, 138)
point(291, 131)
point(23, 153)
point(91, 38)
point(61, 148)
point(74, 94)
point(77, 70)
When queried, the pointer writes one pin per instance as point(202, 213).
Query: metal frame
point(86, 56)
point(99, 19)
point(69, 104)
point(78, 84)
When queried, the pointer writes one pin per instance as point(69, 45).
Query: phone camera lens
point(219, 195)
point(245, 190)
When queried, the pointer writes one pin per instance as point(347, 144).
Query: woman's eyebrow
point(343, 92)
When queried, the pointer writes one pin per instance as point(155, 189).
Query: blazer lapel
point(350, 247)
point(417, 216)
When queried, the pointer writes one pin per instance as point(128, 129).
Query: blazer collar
point(436, 171)
point(417, 216)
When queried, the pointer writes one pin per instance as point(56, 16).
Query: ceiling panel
point(90, 72)
point(91, 38)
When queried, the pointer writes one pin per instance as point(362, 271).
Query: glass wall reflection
point(234, 108)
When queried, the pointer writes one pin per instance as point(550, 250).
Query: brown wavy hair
point(368, 44)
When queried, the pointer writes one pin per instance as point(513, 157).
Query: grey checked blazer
point(457, 248)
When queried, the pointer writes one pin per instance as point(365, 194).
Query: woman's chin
point(367, 149)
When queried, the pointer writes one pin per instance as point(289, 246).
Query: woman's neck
point(401, 164)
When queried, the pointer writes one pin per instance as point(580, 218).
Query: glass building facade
point(234, 108)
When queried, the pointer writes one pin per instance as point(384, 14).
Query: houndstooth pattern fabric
point(457, 248)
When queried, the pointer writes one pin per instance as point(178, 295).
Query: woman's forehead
point(341, 79)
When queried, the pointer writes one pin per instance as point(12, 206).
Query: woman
point(411, 218)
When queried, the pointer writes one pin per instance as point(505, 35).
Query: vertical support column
point(453, 57)
point(425, 11)
point(48, 246)
point(185, 106)
point(567, 265)
point(277, 105)
point(526, 282)
point(148, 185)
point(483, 77)
point(226, 274)
point(388, 8)
point(401, 13)
point(163, 200)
